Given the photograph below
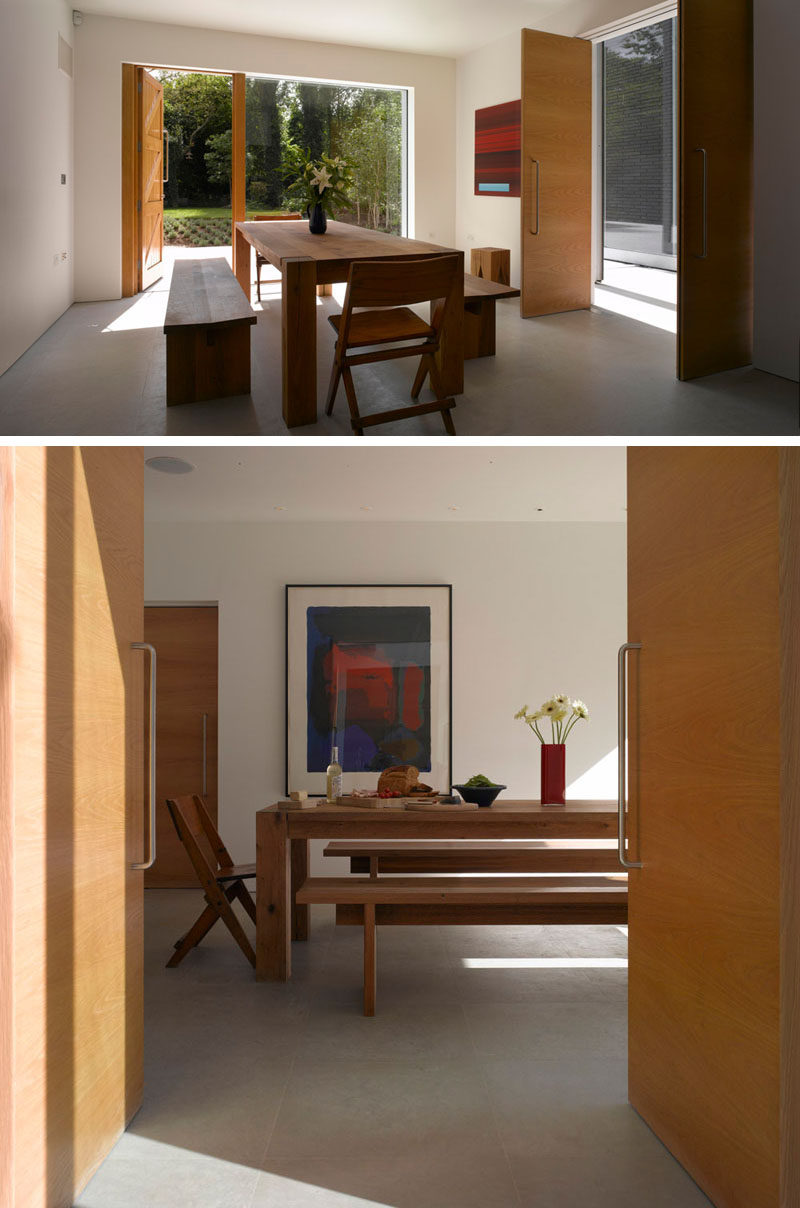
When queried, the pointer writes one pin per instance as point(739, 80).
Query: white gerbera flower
point(523, 712)
point(579, 709)
point(561, 700)
point(553, 709)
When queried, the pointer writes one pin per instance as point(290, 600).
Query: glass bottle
point(334, 778)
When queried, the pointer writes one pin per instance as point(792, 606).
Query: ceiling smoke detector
point(170, 465)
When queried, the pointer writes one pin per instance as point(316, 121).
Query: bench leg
point(370, 960)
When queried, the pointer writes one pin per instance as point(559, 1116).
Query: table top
point(281, 241)
point(504, 819)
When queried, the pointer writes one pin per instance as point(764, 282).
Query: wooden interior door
point(186, 639)
point(72, 583)
point(151, 178)
point(715, 186)
point(556, 240)
point(714, 584)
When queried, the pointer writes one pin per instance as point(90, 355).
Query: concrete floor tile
point(419, 1179)
point(332, 1108)
point(555, 1030)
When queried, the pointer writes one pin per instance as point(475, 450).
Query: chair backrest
point(402, 282)
point(274, 217)
point(200, 837)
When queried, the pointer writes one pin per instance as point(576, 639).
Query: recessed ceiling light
point(170, 465)
point(366, 507)
point(453, 507)
point(279, 507)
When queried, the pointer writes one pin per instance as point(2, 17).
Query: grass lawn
point(212, 212)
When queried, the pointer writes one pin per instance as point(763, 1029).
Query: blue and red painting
point(368, 689)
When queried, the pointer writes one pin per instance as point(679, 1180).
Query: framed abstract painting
point(498, 147)
point(368, 670)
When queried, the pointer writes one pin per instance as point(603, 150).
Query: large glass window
point(639, 147)
point(364, 126)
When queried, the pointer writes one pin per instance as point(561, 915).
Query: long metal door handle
point(166, 157)
point(704, 254)
point(622, 734)
point(534, 230)
point(151, 841)
point(205, 754)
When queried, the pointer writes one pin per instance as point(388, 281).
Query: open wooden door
point(715, 167)
point(186, 638)
point(151, 178)
point(556, 173)
point(71, 536)
point(714, 600)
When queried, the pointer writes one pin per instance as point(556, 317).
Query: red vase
point(554, 773)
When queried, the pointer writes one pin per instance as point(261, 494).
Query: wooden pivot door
point(714, 814)
point(151, 178)
point(185, 639)
point(556, 173)
point(71, 548)
point(715, 186)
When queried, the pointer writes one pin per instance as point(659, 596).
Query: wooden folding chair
point(222, 880)
point(393, 286)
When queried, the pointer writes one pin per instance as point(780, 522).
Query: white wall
point(104, 43)
point(537, 608)
point(777, 187)
point(36, 147)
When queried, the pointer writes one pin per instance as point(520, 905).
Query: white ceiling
point(404, 483)
point(435, 27)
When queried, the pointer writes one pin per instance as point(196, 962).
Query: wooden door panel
point(556, 173)
point(77, 906)
point(715, 186)
point(151, 126)
point(186, 641)
point(704, 910)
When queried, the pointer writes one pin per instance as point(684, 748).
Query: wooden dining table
point(306, 261)
point(283, 834)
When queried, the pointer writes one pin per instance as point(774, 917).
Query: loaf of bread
point(399, 779)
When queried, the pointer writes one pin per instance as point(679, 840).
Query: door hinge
point(138, 207)
point(139, 146)
point(139, 86)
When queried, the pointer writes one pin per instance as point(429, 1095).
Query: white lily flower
point(321, 179)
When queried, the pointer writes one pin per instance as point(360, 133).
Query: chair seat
point(383, 327)
point(236, 872)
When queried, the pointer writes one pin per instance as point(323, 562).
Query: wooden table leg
point(451, 355)
point(241, 262)
point(299, 874)
point(299, 341)
point(273, 898)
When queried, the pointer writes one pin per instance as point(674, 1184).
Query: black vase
point(317, 222)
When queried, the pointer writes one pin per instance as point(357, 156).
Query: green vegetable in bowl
point(479, 782)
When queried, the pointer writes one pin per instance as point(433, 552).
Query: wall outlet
point(63, 255)
point(63, 178)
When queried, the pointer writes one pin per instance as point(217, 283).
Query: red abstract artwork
point(497, 150)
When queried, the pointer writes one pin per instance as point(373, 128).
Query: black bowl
point(477, 795)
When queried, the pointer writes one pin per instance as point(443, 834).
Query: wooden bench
point(489, 855)
point(208, 333)
point(400, 901)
